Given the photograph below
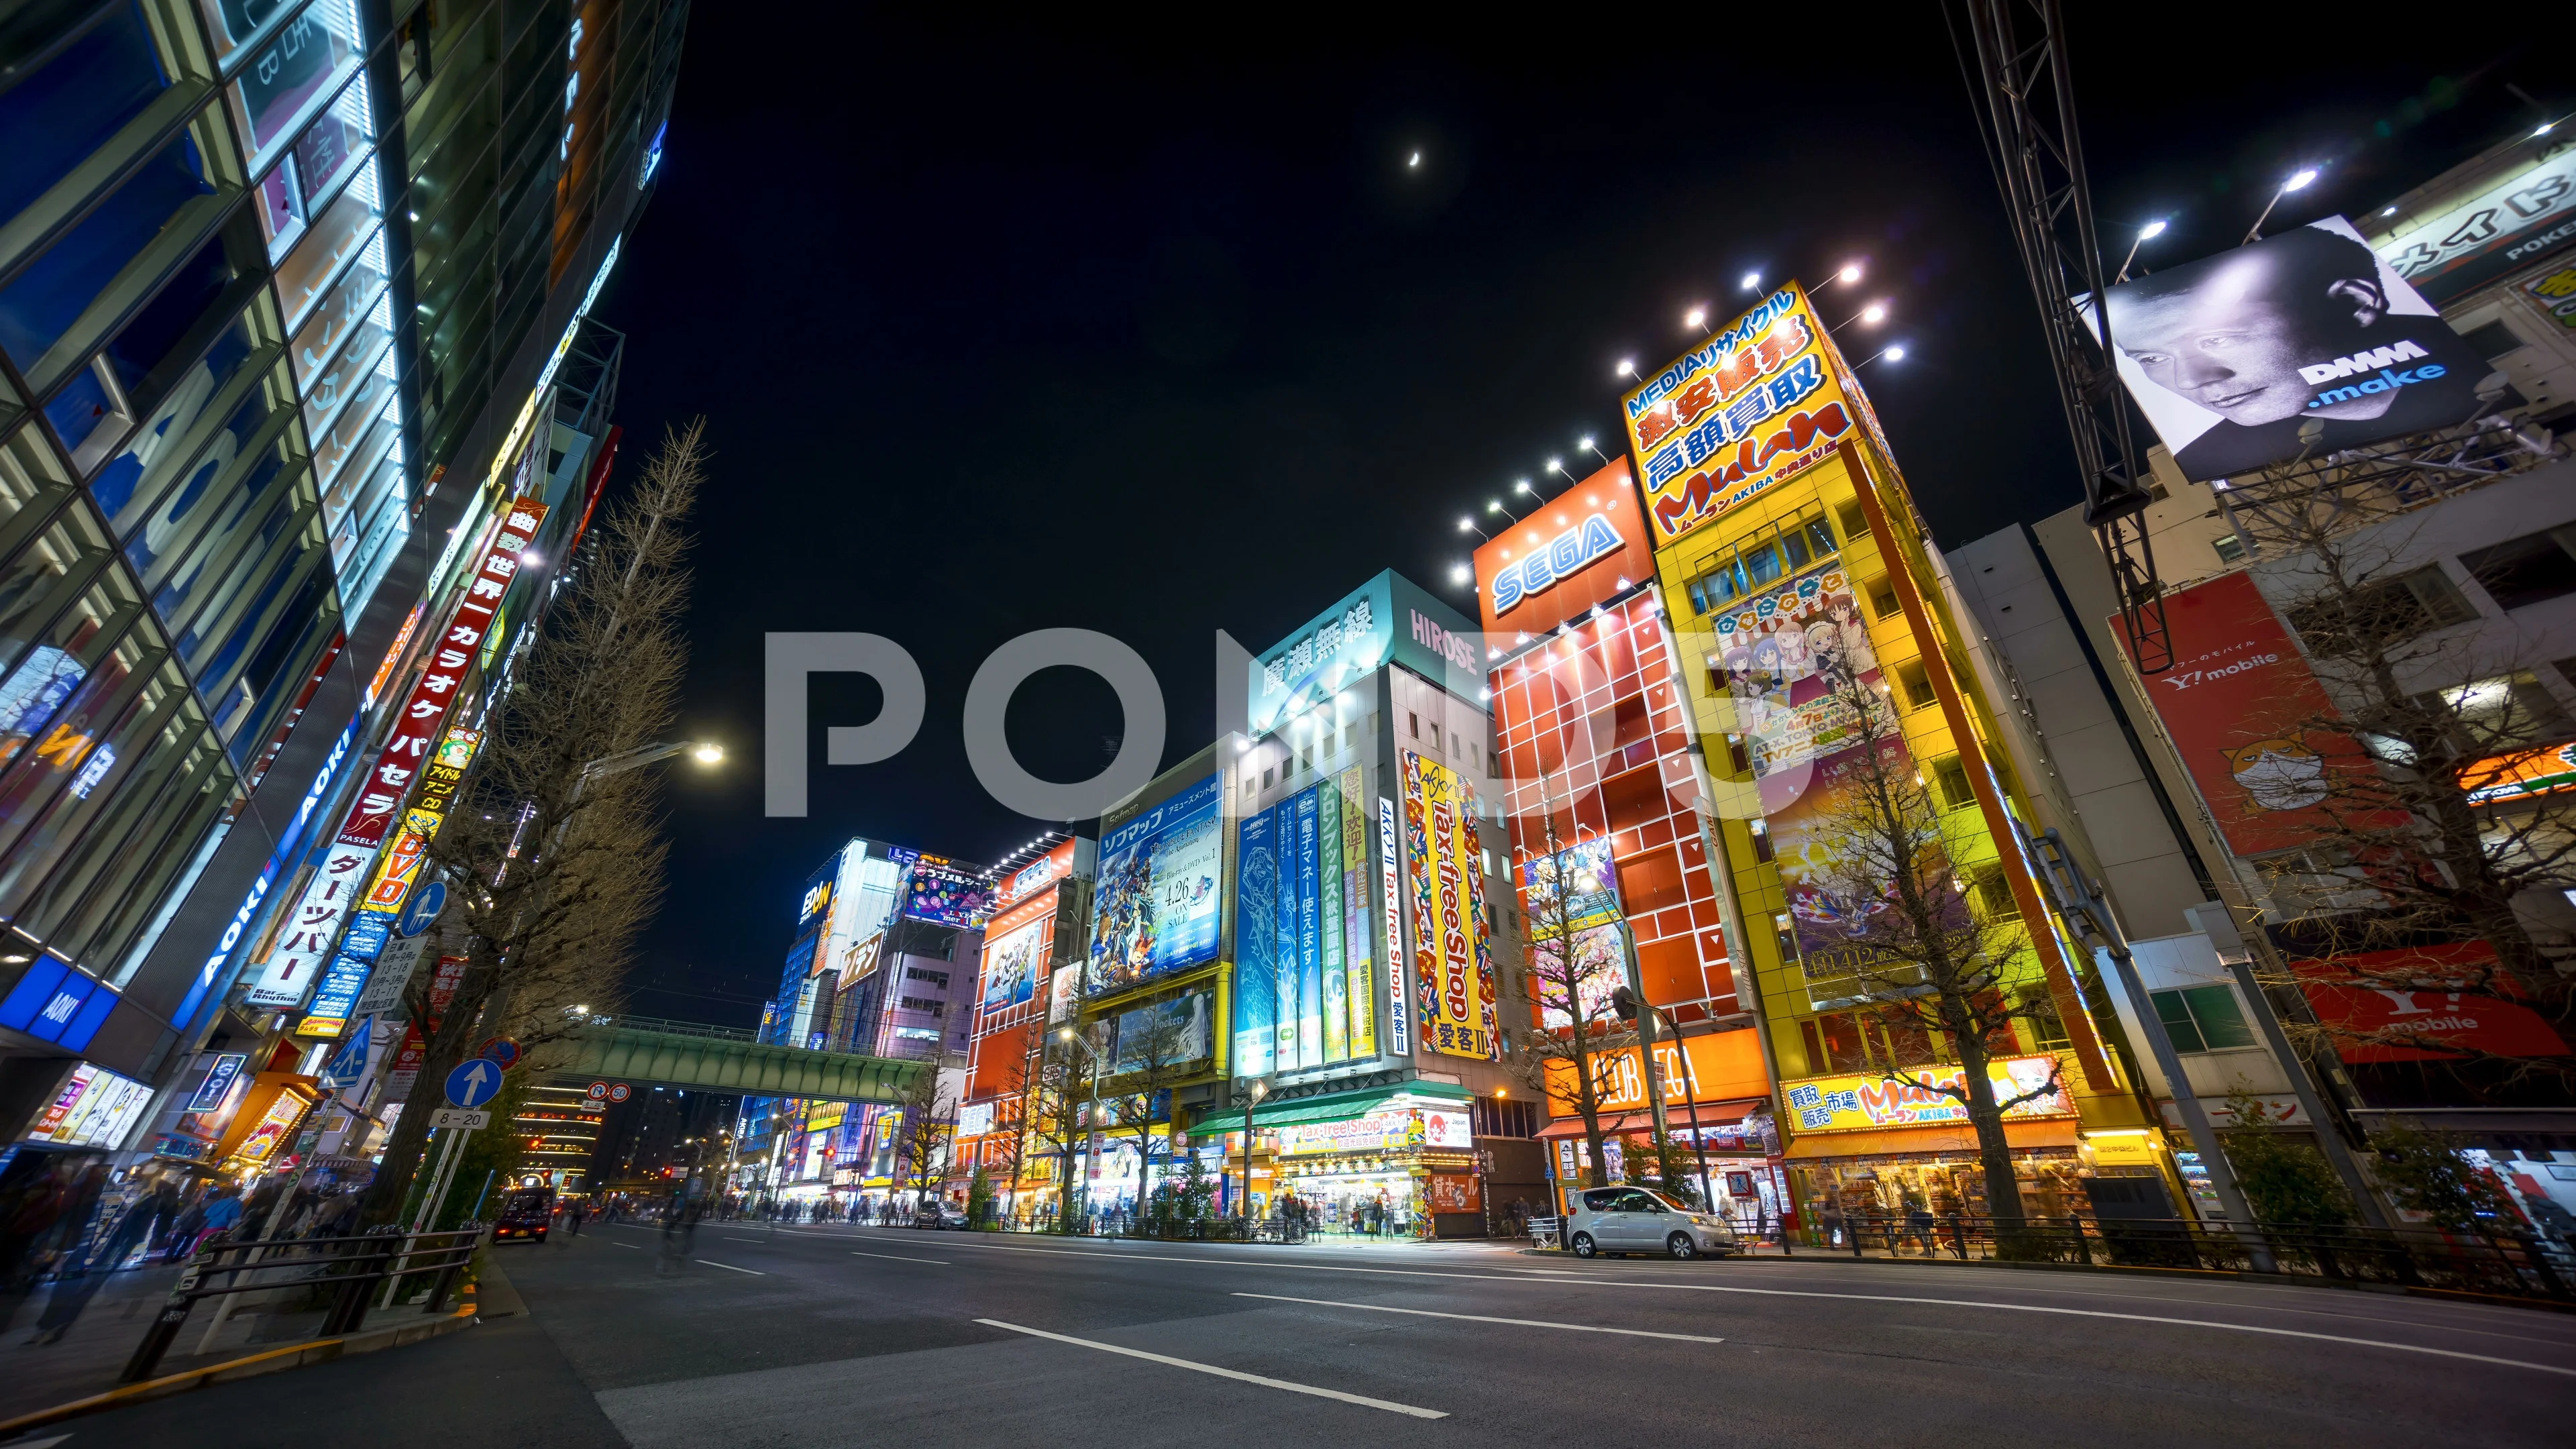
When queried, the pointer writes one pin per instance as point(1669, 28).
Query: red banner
point(2238, 704)
point(425, 712)
point(2415, 993)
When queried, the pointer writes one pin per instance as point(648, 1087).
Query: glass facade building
point(291, 295)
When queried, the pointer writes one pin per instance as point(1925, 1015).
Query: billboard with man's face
point(2230, 356)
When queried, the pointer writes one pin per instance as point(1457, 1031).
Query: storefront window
point(1889, 1190)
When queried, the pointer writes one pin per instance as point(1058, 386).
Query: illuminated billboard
point(1015, 956)
point(2233, 358)
point(945, 895)
point(1584, 547)
point(1387, 618)
point(1735, 415)
point(1452, 961)
point(1155, 908)
point(1304, 992)
point(1174, 1033)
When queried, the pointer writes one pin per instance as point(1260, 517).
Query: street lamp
point(1468, 525)
point(2298, 181)
point(2146, 234)
point(1586, 442)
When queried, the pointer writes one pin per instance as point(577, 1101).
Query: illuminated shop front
point(1382, 1161)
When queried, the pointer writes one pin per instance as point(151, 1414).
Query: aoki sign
point(1566, 555)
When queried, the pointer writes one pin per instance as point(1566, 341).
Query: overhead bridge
point(641, 1051)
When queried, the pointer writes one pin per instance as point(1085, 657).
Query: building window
point(1883, 601)
point(1995, 896)
point(2230, 550)
point(1266, 776)
point(2531, 569)
point(1413, 722)
point(2381, 614)
point(1761, 840)
point(1853, 518)
point(1918, 684)
point(1952, 773)
point(2202, 1018)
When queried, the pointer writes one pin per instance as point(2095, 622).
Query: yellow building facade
point(1786, 547)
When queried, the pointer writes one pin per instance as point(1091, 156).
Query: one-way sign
point(474, 1083)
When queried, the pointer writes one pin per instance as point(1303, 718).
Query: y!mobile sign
point(304, 943)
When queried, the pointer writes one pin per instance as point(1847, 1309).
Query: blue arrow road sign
point(474, 1083)
point(424, 908)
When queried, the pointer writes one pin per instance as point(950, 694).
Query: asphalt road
point(821, 1336)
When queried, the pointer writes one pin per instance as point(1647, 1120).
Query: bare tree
point(554, 869)
point(926, 1138)
point(1937, 960)
point(1570, 974)
point(1054, 1083)
point(1155, 1049)
point(2425, 780)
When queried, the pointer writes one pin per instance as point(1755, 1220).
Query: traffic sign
point(620, 1092)
point(473, 1083)
point(501, 1051)
point(598, 1092)
point(424, 908)
point(460, 1117)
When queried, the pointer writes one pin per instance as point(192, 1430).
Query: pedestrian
point(79, 1275)
point(580, 1210)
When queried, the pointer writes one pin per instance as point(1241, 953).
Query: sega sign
point(1567, 554)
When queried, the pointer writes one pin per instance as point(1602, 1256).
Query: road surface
point(823, 1336)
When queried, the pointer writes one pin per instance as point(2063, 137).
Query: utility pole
point(1638, 1011)
point(2078, 901)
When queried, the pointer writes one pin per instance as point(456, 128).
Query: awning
point(1338, 1106)
point(1677, 1120)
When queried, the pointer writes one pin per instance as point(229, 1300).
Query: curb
point(2114, 1270)
point(275, 1360)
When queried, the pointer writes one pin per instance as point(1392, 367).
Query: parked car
point(1636, 1220)
point(939, 1215)
point(525, 1215)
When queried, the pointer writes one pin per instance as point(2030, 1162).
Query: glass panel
point(340, 313)
point(156, 330)
point(168, 477)
point(2177, 1021)
point(50, 295)
point(267, 685)
point(1821, 535)
point(310, 55)
point(1795, 543)
point(115, 790)
point(56, 118)
point(43, 653)
point(1762, 564)
point(2214, 1011)
point(356, 464)
point(360, 379)
point(338, 141)
point(176, 416)
point(50, 797)
point(217, 657)
point(32, 481)
point(193, 540)
point(280, 206)
point(197, 819)
point(234, 24)
point(307, 273)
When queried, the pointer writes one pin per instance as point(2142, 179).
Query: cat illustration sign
point(474, 1083)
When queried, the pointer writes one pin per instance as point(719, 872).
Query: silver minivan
point(1637, 1220)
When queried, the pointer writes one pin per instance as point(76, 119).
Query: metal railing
point(2510, 1263)
point(351, 1265)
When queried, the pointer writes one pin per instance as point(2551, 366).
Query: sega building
point(1593, 732)
point(1373, 980)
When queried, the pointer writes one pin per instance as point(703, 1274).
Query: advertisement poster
point(1283, 942)
point(1828, 919)
point(1725, 1067)
point(1453, 967)
point(1390, 889)
point(1179, 1031)
point(1064, 991)
point(1781, 650)
point(1329, 922)
point(1388, 1129)
point(1256, 944)
point(304, 936)
point(1310, 939)
point(947, 896)
point(1601, 968)
point(1359, 990)
point(1860, 1103)
point(2237, 704)
point(2521, 218)
point(1728, 419)
point(2231, 356)
point(1574, 891)
point(1155, 911)
point(1013, 962)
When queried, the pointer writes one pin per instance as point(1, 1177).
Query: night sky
point(1002, 326)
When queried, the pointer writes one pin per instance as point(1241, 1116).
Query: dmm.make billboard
point(1155, 908)
point(1304, 994)
point(1452, 961)
point(1387, 618)
point(1758, 401)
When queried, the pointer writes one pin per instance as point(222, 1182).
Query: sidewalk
point(93, 1352)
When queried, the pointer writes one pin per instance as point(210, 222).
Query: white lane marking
point(1482, 1318)
point(900, 1258)
point(730, 1268)
point(1363, 1400)
point(626, 1245)
point(757, 1242)
point(1852, 1297)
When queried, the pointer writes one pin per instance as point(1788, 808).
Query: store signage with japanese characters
point(1859, 1103)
